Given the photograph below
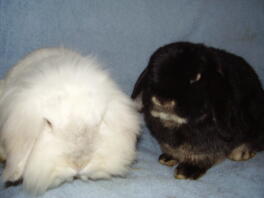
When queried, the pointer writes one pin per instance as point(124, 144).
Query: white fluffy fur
point(62, 116)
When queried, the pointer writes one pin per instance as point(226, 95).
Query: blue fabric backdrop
point(123, 34)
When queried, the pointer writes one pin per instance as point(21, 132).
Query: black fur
point(224, 108)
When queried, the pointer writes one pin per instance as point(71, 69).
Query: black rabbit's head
point(185, 78)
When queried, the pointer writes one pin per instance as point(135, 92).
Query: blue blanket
point(123, 34)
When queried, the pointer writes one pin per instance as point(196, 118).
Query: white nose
point(166, 104)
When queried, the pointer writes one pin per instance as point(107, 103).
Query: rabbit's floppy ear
point(141, 82)
point(19, 133)
point(220, 91)
point(226, 100)
point(223, 115)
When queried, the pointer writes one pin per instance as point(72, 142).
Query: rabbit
point(62, 117)
point(202, 105)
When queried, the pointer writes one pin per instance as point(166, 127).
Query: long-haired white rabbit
point(61, 116)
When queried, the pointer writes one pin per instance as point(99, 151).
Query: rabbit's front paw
point(189, 171)
point(11, 175)
point(167, 160)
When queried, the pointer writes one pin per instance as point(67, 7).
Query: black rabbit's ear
point(140, 84)
point(223, 109)
point(223, 117)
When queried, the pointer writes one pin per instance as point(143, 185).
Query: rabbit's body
point(61, 117)
point(202, 105)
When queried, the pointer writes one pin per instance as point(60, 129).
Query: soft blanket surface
point(123, 34)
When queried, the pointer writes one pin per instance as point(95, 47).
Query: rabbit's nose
point(163, 103)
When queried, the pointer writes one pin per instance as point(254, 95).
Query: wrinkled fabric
point(123, 34)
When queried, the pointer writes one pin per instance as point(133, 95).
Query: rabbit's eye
point(197, 78)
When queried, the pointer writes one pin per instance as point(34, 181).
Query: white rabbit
point(62, 116)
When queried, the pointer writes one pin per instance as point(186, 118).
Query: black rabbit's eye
point(196, 79)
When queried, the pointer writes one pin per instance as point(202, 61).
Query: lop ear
point(141, 83)
point(222, 116)
point(20, 133)
point(224, 110)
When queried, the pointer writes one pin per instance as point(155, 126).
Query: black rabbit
point(202, 105)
